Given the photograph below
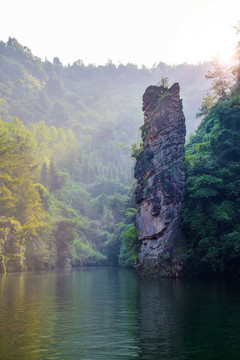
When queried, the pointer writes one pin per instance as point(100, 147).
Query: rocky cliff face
point(160, 173)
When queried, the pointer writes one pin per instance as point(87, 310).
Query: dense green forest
point(66, 171)
point(66, 180)
point(211, 211)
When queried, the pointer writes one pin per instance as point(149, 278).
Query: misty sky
point(137, 31)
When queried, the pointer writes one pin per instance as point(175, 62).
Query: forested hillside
point(65, 178)
point(88, 98)
point(211, 211)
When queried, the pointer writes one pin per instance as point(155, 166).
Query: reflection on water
point(161, 312)
point(108, 313)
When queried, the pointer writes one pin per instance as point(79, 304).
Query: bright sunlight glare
point(206, 37)
point(124, 31)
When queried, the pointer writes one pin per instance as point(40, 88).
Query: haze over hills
point(83, 172)
point(80, 96)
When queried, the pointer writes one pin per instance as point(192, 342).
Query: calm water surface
point(111, 314)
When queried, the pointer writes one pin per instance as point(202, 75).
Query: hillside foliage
point(66, 197)
point(211, 211)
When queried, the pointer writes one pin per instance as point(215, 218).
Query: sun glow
point(124, 31)
point(226, 49)
point(207, 35)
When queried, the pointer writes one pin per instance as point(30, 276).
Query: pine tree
point(220, 80)
point(53, 176)
point(44, 176)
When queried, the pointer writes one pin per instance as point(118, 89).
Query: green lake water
point(111, 314)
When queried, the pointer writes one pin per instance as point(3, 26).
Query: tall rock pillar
point(160, 173)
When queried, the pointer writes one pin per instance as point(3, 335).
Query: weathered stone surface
point(160, 173)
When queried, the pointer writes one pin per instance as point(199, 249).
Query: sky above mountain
point(136, 31)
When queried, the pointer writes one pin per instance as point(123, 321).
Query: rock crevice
point(161, 177)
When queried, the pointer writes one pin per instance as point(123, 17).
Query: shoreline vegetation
point(66, 185)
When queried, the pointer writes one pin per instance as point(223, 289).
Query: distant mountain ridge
point(88, 98)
